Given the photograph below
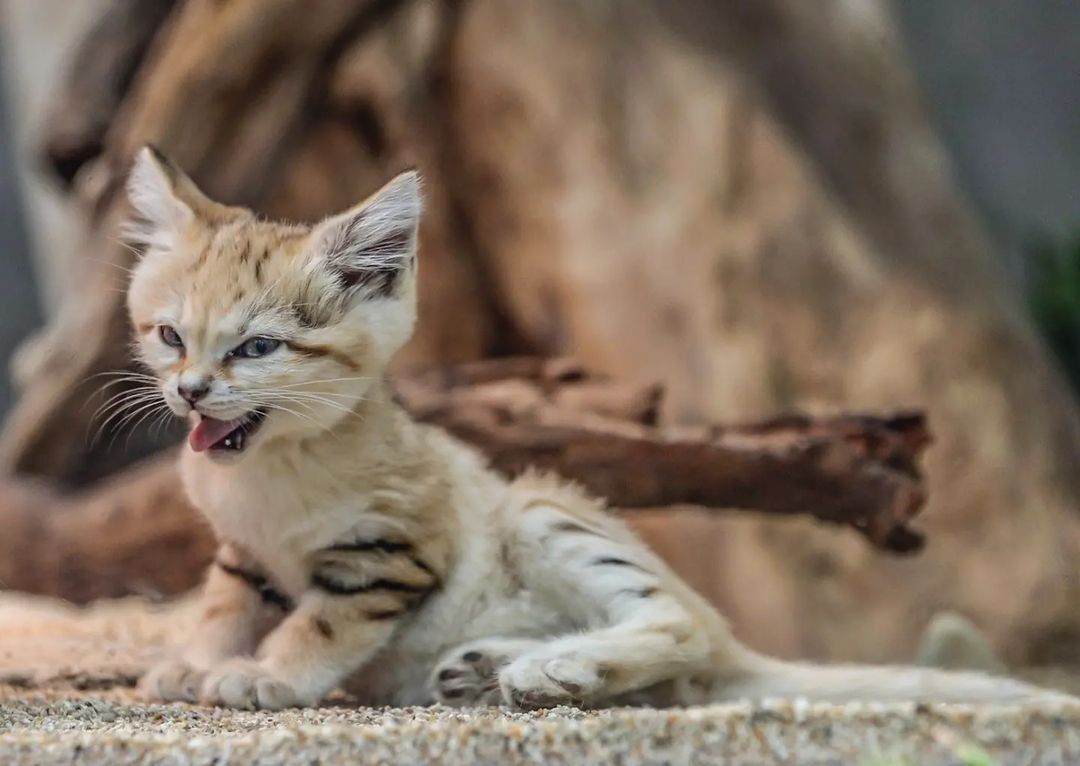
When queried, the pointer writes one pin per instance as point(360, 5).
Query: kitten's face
point(261, 330)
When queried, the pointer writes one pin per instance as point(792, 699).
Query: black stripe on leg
point(258, 583)
point(385, 546)
point(411, 595)
point(422, 565)
point(326, 630)
point(338, 588)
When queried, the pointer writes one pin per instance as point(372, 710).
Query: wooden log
point(136, 533)
point(857, 470)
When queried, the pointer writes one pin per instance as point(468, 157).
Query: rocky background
point(746, 202)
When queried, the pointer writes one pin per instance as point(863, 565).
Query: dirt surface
point(107, 728)
point(66, 697)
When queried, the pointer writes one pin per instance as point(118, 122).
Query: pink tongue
point(208, 432)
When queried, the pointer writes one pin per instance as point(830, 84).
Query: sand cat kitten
point(359, 548)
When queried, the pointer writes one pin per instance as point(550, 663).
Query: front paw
point(172, 680)
point(546, 680)
point(245, 683)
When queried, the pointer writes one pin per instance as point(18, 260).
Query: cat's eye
point(256, 347)
point(170, 337)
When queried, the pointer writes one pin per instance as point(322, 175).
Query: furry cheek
point(303, 382)
point(164, 361)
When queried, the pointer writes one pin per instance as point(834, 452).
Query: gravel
point(110, 728)
point(65, 697)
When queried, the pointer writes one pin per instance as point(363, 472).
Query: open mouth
point(225, 435)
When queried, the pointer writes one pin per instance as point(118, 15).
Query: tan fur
point(361, 548)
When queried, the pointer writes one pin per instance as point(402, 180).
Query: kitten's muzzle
point(193, 393)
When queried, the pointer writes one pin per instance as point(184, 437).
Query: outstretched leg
point(637, 628)
point(239, 607)
point(636, 634)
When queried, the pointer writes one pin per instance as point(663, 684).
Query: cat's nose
point(192, 393)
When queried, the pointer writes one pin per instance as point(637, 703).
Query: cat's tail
point(767, 678)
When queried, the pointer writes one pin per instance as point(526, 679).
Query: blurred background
point(767, 206)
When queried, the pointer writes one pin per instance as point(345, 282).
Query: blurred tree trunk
point(744, 200)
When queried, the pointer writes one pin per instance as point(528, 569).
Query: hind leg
point(602, 667)
point(468, 675)
point(638, 629)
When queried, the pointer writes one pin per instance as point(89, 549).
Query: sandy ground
point(65, 697)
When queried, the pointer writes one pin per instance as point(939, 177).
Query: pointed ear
point(164, 199)
point(371, 247)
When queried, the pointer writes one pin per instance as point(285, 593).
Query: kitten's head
point(259, 329)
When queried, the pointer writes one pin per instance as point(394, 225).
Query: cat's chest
point(274, 516)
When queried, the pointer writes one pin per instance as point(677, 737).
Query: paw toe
point(170, 681)
point(233, 690)
point(538, 682)
point(575, 676)
point(248, 685)
point(271, 694)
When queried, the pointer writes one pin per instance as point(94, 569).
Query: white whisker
point(282, 408)
point(326, 380)
point(131, 429)
point(140, 389)
point(307, 400)
point(137, 400)
point(143, 410)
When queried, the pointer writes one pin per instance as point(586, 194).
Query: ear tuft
point(164, 200)
point(371, 246)
point(157, 211)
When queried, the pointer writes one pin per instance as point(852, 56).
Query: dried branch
point(856, 470)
